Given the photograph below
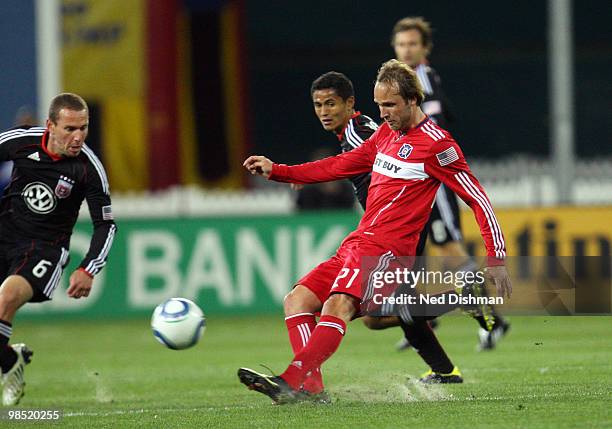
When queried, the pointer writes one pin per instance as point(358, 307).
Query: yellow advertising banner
point(103, 53)
point(548, 231)
point(104, 61)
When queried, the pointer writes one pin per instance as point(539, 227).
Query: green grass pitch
point(553, 372)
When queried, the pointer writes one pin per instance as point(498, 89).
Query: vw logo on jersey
point(39, 198)
point(405, 151)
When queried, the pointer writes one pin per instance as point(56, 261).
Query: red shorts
point(350, 270)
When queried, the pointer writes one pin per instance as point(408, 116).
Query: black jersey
point(359, 128)
point(43, 200)
point(435, 104)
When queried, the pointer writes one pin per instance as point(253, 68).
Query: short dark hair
point(336, 81)
point(395, 72)
point(417, 23)
point(66, 100)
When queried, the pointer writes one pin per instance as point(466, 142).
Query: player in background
point(406, 147)
point(53, 172)
point(411, 38)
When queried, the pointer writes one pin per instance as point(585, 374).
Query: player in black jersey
point(411, 39)
point(53, 172)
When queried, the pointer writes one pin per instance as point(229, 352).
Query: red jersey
point(407, 169)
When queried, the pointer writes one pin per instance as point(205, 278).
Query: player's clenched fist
point(258, 164)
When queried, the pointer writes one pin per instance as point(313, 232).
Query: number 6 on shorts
point(41, 268)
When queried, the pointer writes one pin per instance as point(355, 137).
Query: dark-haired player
point(53, 172)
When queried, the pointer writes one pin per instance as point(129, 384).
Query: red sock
point(300, 327)
point(324, 341)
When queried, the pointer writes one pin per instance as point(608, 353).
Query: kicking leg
point(324, 341)
point(337, 311)
point(300, 306)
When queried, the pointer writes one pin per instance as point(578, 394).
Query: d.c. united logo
point(64, 187)
point(405, 151)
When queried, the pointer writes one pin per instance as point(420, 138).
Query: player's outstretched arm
point(448, 165)
point(347, 164)
point(257, 164)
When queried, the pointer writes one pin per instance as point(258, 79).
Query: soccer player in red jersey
point(333, 99)
point(409, 156)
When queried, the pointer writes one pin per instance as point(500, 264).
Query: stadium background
point(181, 90)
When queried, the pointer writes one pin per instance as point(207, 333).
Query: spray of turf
point(389, 388)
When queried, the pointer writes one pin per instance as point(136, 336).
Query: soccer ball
point(178, 323)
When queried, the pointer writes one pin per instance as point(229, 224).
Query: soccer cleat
point(487, 340)
point(431, 377)
point(477, 290)
point(12, 381)
point(273, 386)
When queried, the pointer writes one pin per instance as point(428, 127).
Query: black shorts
point(444, 224)
point(39, 262)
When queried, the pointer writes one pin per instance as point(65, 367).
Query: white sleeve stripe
point(470, 188)
point(99, 261)
point(22, 130)
point(429, 133)
point(14, 134)
point(348, 137)
point(495, 228)
point(434, 127)
point(489, 208)
point(350, 142)
point(99, 168)
point(487, 215)
point(95, 265)
point(353, 132)
point(461, 178)
point(351, 137)
point(429, 126)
